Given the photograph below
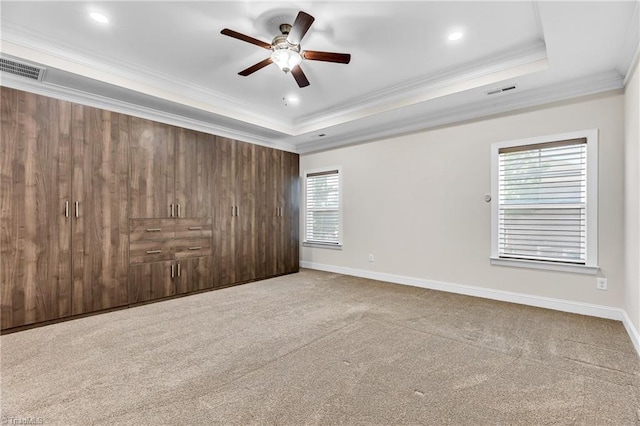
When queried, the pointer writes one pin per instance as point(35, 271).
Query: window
point(323, 208)
point(544, 211)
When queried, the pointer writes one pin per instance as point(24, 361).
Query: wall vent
point(503, 89)
point(23, 70)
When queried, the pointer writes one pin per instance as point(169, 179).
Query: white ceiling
point(168, 61)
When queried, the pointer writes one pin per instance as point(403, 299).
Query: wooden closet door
point(151, 169)
point(224, 222)
point(35, 184)
point(195, 274)
point(100, 230)
point(194, 173)
point(149, 281)
point(262, 217)
point(244, 232)
point(291, 223)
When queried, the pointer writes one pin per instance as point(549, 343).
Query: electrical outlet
point(370, 257)
point(601, 283)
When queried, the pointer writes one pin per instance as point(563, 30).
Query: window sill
point(323, 245)
point(536, 264)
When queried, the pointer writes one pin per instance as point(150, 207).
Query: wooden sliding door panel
point(194, 173)
point(151, 169)
point(35, 185)
point(100, 215)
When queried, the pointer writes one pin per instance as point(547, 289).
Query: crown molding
point(90, 99)
point(28, 45)
point(632, 45)
point(32, 46)
point(508, 65)
point(632, 65)
point(589, 85)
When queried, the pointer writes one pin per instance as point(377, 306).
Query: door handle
point(154, 251)
point(172, 273)
point(233, 211)
point(77, 209)
point(171, 215)
point(154, 229)
point(66, 208)
point(178, 209)
point(195, 248)
point(195, 228)
point(237, 214)
point(178, 269)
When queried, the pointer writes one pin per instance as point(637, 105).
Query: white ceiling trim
point(631, 49)
point(90, 99)
point(511, 65)
point(598, 83)
point(633, 64)
point(31, 46)
point(134, 78)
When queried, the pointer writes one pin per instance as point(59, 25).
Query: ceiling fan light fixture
point(286, 59)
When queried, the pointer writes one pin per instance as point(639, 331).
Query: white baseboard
point(487, 293)
point(631, 330)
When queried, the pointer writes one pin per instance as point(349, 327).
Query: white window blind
point(322, 222)
point(542, 202)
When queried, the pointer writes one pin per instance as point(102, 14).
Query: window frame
point(591, 207)
point(320, 244)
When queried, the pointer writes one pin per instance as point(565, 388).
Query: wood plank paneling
point(35, 183)
point(100, 231)
point(151, 169)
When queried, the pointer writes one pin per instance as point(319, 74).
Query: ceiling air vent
point(503, 89)
point(23, 70)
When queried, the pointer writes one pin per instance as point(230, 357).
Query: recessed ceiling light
point(99, 17)
point(291, 100)
point(455, 36)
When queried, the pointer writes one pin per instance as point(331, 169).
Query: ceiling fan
point(286, 51)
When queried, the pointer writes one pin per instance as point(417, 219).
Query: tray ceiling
point(168, 61)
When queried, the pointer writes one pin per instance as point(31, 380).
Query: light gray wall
point(417, 202)
point(632, 199)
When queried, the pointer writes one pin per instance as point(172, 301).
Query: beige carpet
point(321, 348)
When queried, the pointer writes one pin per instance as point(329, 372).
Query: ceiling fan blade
point(298, 74)
point(300, 27)
point(256, 67)
point(246, 38)
point(312, 55)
